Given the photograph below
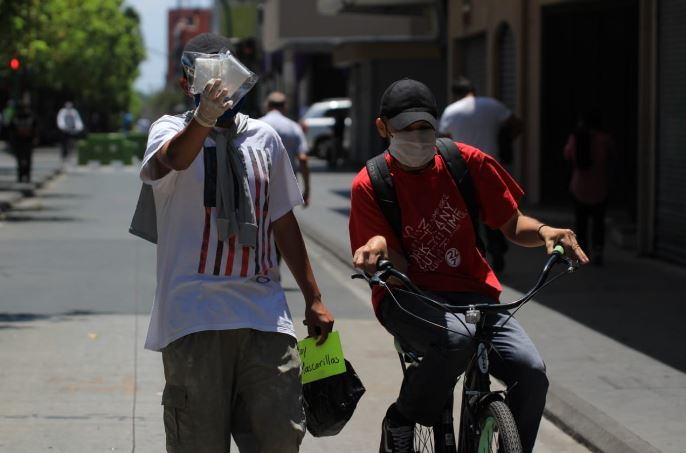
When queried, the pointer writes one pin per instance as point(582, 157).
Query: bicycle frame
point(476, 391)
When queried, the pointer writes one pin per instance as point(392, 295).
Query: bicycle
point(486, 422)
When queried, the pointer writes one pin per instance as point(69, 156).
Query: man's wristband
point(538, 231)
point(201, 121)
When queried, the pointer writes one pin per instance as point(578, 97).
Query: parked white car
point(318, 123)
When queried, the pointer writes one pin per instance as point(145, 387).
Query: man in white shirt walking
point(70, 125)
point(292, 136)
point(481, 122)
point(224, 192)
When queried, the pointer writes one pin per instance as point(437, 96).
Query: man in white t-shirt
point(477, 120)
point(70, 125)
point(292, 136)
point(486, 124)
point(220, 317)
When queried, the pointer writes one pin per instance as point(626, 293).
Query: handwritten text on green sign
point(322, 361)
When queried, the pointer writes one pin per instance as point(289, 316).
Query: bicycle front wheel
point(498, 431)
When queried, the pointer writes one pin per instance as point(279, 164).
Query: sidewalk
point(46, 164)
point(616, 371)
point(75, 296)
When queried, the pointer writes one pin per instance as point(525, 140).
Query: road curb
point(9, 198)
point(573, 415)
point(589, 425)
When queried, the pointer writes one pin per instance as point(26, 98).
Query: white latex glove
point(212, 103)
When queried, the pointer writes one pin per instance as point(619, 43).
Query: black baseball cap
point(406, 101)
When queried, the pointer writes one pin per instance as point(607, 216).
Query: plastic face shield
point(201, 67)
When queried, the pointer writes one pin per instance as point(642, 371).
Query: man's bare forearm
point(529, 232)
point(292, 247)
point(523, 230)
point(180, 152)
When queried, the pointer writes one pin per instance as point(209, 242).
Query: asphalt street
point(75, 293)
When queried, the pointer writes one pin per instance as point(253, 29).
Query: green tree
point(170, 100)
point(88, 50)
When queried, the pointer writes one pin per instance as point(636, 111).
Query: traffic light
point(15, 64)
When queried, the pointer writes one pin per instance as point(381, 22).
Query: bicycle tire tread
point(507, 428)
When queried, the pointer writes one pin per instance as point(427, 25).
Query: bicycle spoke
point(423, 439)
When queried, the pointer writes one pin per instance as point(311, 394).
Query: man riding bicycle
point(438, 250)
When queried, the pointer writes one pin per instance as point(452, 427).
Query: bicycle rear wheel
point(439, 438)
point(423, 439)
point(498, 431)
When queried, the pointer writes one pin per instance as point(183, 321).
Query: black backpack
point(380, 176)
point(70, 121)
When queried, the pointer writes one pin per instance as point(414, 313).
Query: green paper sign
point(319, 362)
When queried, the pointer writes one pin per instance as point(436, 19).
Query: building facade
point(321, 49)
point(551, 60)
point(183, 24)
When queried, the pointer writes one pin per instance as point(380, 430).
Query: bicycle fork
point(476, 390)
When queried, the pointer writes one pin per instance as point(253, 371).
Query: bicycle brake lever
point(359, 275)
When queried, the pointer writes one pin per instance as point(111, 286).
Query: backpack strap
point(452, 156)
point(384, 192)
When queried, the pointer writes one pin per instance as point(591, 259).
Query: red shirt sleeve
point(366, 219)
point(498, 193)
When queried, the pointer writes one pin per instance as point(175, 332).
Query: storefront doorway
point(590, 64)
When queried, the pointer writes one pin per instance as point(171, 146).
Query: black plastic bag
point(330, 402)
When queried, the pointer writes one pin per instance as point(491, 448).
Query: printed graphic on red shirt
point(429, 238)
point(453, 257)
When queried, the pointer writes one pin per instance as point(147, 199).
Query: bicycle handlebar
point(385, 270)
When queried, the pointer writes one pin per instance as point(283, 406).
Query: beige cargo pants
point(242, 383)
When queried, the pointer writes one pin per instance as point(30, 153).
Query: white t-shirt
point(202, 283)
point(69, 120)
point(291, 134)
point(475, 121)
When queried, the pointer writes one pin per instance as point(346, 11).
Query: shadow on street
point(633, 301)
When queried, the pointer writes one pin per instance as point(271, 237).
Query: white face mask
point(413, 149)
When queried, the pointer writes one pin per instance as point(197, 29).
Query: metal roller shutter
point(670, 222)
point(507, 81)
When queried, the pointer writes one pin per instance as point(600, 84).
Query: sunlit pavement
point(75, 293)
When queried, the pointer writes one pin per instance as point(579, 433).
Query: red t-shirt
point(437, 231)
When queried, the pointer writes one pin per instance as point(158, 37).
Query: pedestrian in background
point(23, 132)
point(8, 112)
point(224, 193)
point(481, 122)
point(142, 125)
point(70, 125)
point(292, 136)
point(589, 149)
point(336, 150)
